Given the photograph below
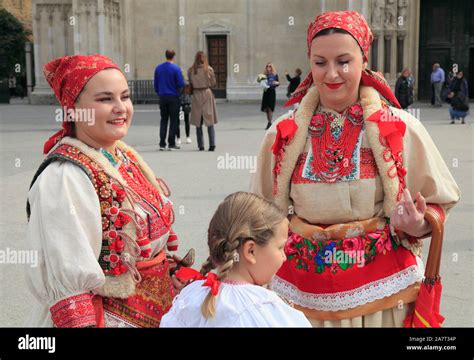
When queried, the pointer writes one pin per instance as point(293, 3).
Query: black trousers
point(186, 126)
point(169, 109)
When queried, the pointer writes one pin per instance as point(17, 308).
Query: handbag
point(188, 89)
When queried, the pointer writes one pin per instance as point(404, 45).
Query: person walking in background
point(12, 85)
point(269, 95)
point(437, 80)
point(185, 100)
point(293, 83)
point(404, 89)
point(459, 108)
point(168, 84)
point(203, 107)
point(459, 98)
point(459, 85)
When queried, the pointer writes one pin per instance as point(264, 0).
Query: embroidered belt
point(152, 299)
point(342, 267)
point(340, 246)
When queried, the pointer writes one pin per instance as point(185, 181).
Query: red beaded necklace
point(332, 156)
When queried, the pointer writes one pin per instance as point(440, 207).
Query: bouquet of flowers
point(262, 80)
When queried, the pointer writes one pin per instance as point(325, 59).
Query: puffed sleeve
point(427, 171)
point(65, 229)
point(261, 182)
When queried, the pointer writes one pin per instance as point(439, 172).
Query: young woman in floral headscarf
point(348, 165)
point(98, 216)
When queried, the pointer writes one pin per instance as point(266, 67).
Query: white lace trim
point(113, 321)
point(352, 298)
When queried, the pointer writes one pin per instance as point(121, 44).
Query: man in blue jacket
point(168, 84)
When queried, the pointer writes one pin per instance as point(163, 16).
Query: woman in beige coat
point(203, 108)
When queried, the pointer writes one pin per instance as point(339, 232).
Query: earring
point(236, 257)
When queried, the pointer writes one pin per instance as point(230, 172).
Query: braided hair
point(240, 217)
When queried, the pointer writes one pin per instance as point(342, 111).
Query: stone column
point(181, 56)
point(76, 27)
point(47, 45)
point(68, 28)
point(251, 18)
point(127, 25)
point(365, 9)
point(393, 60)
point(377, 26)
point(101, 25)
point(28, 70)
point(387, 48)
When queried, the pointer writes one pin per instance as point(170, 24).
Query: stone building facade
point(240, 36)
point(21, 9)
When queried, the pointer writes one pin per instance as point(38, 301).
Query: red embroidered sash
point(338, 273)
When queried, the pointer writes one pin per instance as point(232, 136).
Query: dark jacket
point(460, 86)
point(294, 82)
point(404, 91)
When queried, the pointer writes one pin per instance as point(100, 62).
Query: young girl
point(246, 238)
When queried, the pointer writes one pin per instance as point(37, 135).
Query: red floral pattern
point(368, 167)
point(351, 21)
point(74, 312)
point(320, 256)
point(152, 299)
point(160, 211)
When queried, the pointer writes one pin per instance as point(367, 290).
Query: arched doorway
point(446, 37)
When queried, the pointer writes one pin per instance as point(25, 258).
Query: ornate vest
point(125, 234)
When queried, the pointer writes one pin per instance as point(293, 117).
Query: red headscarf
point(67, 76)
point(355, 24)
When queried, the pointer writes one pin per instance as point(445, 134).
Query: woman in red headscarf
point(347, 166)
point(98, 216)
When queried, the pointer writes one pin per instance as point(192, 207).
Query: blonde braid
point(239, 217)
point(207, 266)
point(208, 307)
point(229, 257)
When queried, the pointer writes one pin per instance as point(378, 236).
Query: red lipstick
point(334, 86)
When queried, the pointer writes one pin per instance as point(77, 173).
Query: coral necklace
point(333, 140)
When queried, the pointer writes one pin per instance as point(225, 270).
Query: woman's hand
point(178, 285)
point(276, 83)
point(410, 217)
